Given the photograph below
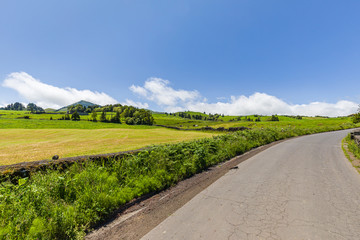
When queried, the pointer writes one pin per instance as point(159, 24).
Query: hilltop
point(82, 102)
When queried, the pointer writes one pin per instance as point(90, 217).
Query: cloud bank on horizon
point(171, 100)
point(46, 95)
point(168, 99)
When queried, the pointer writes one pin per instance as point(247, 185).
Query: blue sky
point(239, 57)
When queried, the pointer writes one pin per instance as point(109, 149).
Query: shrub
point(75, 116)
point(273, 118)
point(129, 121)
point(356, 118)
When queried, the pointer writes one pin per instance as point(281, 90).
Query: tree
point(116, 118)
point(103, 116)
point(15, 106)
point(274, 118)
point(75, 116)
point(34, 109)
point(129, 121)
point(356, 117)
point(94, 116)
point(76, 108)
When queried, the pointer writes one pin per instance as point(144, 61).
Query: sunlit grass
point(38, 138)
point(22, 145)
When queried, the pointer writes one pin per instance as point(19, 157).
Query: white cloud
point(261, 103)
point(171, 100)
point(341, 108)
point(258, 103)
point(46, 95)
point(158, 91)
point(135, 104)
point(138, 90)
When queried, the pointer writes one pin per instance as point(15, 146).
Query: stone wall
point(356, 137)
point(25, 169)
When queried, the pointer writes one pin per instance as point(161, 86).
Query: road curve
point(303, 188)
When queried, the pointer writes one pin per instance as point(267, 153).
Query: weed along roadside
point(67, 203)
point(351, 148)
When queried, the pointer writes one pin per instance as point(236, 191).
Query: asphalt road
point(303, 188)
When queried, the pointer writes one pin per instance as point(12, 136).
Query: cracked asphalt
point(303, 188)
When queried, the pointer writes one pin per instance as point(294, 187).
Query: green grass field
point(305, 122)
point(66, 204)
point(23, 145)
point(39, 138)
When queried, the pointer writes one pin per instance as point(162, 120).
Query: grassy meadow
point(39, 138)
point(229, 121)
point(23, 145)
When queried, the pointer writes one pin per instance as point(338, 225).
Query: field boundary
point(219, 129)
point(24, 169)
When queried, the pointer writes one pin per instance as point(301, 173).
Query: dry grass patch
point(23, 145)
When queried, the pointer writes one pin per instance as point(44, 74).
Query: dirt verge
point(140, 216)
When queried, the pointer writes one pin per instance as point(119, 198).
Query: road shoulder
point(142, 215)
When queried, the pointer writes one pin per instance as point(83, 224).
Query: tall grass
point(64, 205)
point(352, 146)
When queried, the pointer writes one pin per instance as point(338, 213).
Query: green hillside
point(82, 102)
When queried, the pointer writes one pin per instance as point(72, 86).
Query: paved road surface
point(303, 188)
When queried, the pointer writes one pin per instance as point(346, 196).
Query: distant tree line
point(296, 117)
point(34, 109)
point(21, 107)
point(131, 115)
point(81, 109)
point(257, 118)
point(246, 119)
point(205, 117)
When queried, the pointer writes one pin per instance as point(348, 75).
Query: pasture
point(23, 145)
point(66, 204)
point(38, 138)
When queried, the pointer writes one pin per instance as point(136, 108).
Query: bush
point(75, 116)
point(274, 118)
point(129, 121)
point(356, 118)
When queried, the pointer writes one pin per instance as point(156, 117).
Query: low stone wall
point(356, 137)
point(24, 169)
point(219, 129)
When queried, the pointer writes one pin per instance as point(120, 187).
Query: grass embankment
point(351, 148)
point(63, 205)
point(24, 145)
